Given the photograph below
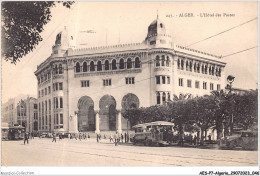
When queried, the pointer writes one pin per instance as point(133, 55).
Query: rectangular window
point(45, 91)
point(211, 86)
point(180, 81)
point(35, 106)
point(168, 80)
point(107, 82)
point(60, 86)
point(189, 83)
point(56, 86)
point(42, 93)
point(204, 85)
point(130, 80)
point(197, 84)
point(163, 80)
point(218, 87)
point(49, 89)
point(61, 119)
point(50, 105)
point(158, 80)
point(85, 83)
point(57, 118)
point(57, 105)
point(39, 94)
point(61, 102)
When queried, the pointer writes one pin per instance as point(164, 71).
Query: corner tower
point(157, 35)
point(63, 42)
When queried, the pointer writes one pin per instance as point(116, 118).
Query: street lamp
point(230, 80)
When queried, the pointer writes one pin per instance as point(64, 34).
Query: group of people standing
point(119, 138)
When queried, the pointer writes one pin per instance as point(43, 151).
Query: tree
point(246, 109)
point(22, 24)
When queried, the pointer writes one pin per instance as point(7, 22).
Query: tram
point(158, 132)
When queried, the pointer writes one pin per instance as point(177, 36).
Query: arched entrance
point(107, 113)
point(86, 115)
point(129, 101)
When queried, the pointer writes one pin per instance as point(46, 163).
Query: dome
point(156, 27)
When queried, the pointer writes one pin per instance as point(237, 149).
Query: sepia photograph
point(136, 84)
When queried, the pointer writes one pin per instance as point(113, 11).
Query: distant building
point(88, 89)
point(21, 111)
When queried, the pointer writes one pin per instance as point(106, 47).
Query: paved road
point(42, 152)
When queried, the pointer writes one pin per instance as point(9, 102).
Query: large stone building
point(87, 89)
point(21, 111)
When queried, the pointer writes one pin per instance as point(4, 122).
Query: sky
point(127, 22)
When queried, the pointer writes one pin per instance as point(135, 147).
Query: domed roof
point(157, 21)
point(63, 38)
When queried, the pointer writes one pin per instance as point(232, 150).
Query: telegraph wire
point(239, 52)
point(223, 31)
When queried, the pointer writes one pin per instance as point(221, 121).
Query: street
point(66, 152)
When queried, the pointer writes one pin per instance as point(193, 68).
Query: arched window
point(195, 68)
point(206, 69)
point(163, 97)
point(56, 69)
point(129, 63)
point(85, 67)
point(92, 66)
point(219, 72)
point(179, 63)
point(198, 68)
point(169, 96)
point(106, 65)
point(137, 62)
point(114, 64)
point(182, 64)
point(158, 98)
point(99, 66)
point(213, 70)
point(77, 67)
point(167, 61)
point(163, 60)
point(121, 64)
point(187, 65)
point(202, 69)
point(157, 62)
point(190, 66)
point(209, 70)
point(60, 69)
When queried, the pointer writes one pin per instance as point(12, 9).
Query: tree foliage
point(22, 24)
point(218, 111)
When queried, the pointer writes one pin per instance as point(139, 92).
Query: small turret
point(63, 42)
point(157, 35)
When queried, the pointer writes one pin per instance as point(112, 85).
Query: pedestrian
point(53, 137)
point(116, 137)
point(105, 136)
point(84, 136)
point(97, 137)
point(111, 138)
point(122, 137)
point(209, 136)
point(125, 137)
point(80, 136)
point(88, 135)
point(26, 136)
point(195, 140)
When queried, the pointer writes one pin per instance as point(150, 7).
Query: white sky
point(130, 21)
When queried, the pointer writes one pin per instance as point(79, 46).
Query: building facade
point(21, 111)
point(88, 89)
